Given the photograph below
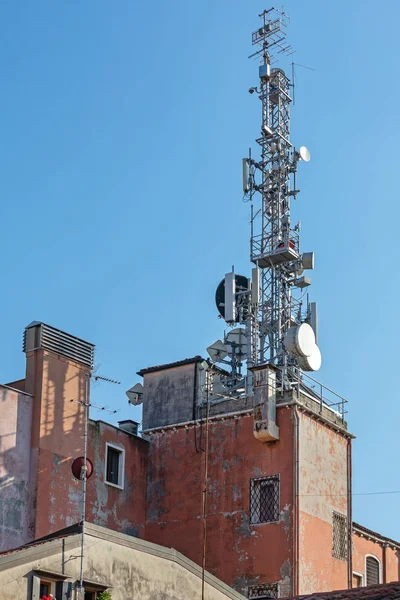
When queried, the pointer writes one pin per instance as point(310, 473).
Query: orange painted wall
point(57, 438)
point(239, 553)
point(322, 490)
point(363, 546)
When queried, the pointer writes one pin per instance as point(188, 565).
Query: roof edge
point(374, 534)
point(178, 363)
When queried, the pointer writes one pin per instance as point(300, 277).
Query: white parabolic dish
point(311, 363)
point(237, 336)
point(300, 340)
point(304, 153)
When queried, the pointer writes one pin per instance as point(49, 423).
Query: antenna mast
point(275, 242)
point(278, 330)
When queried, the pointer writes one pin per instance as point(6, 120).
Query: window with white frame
point(114, 465)
point(372, 570)
point(357, 579)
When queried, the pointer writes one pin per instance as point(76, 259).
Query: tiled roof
point(57, 535)
point(383, 591)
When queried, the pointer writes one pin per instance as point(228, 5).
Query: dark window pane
point(113, 458)
point(264, 499)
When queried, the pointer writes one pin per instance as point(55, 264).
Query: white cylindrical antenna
point(230, 300)
point(255, 285)
point(245, 174)
point(314, 319)
point(307, 260)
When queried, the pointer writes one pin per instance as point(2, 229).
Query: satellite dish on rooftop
point(300, 340)
point(311, 363)
point(241, 285)
point(304, 153)
point(135, 394)
point(217, 351)
point(236, 342)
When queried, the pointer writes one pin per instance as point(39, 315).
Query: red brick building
point(279, 518)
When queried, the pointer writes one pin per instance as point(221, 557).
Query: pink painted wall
point(16, 519)
point(322, 490)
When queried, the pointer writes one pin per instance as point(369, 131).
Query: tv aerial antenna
point(86, 468)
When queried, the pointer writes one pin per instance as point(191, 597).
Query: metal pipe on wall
point(349, 518)
point(296, 537)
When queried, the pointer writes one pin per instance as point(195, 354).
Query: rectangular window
point(115, 458)
point(264, 499)
point(260, 592)
point(357, 580)
point(339, 536)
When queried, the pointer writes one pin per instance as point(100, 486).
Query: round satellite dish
point(236, 341)
point(77, 465)
point(311, 363)
point(304, 154)
point(217, 351)
point(300, 340)
point(241, 284)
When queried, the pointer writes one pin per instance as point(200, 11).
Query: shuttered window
point(372, 568)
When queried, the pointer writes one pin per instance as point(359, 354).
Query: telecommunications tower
point(279, 328)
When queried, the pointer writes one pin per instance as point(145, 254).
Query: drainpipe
point(296, 509)
point(384, 576)
point(349, 518)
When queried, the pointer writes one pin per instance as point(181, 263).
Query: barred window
point(339, 536)
point(372, 570)
point(261, 592)
point(264, 499)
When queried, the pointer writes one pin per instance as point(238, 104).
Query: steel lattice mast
point(275, 243)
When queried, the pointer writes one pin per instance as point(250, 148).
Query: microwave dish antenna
point(304, 154)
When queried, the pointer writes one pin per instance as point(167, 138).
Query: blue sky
point(123, 126)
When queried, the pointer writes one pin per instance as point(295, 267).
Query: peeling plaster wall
point(363, 546)
point(322, 490)
point(238, 553)
point(122, 510)
point(168, 396)
point(15, 432)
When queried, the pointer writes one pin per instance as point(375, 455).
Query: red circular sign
point(77, 467)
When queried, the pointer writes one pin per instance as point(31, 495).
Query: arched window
point(372, 567)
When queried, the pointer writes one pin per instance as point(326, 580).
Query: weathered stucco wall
point(322, 490)
point(169, 396)
point(15, 443)
point(132, 568)
point(122, 510)
point(239, 553)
